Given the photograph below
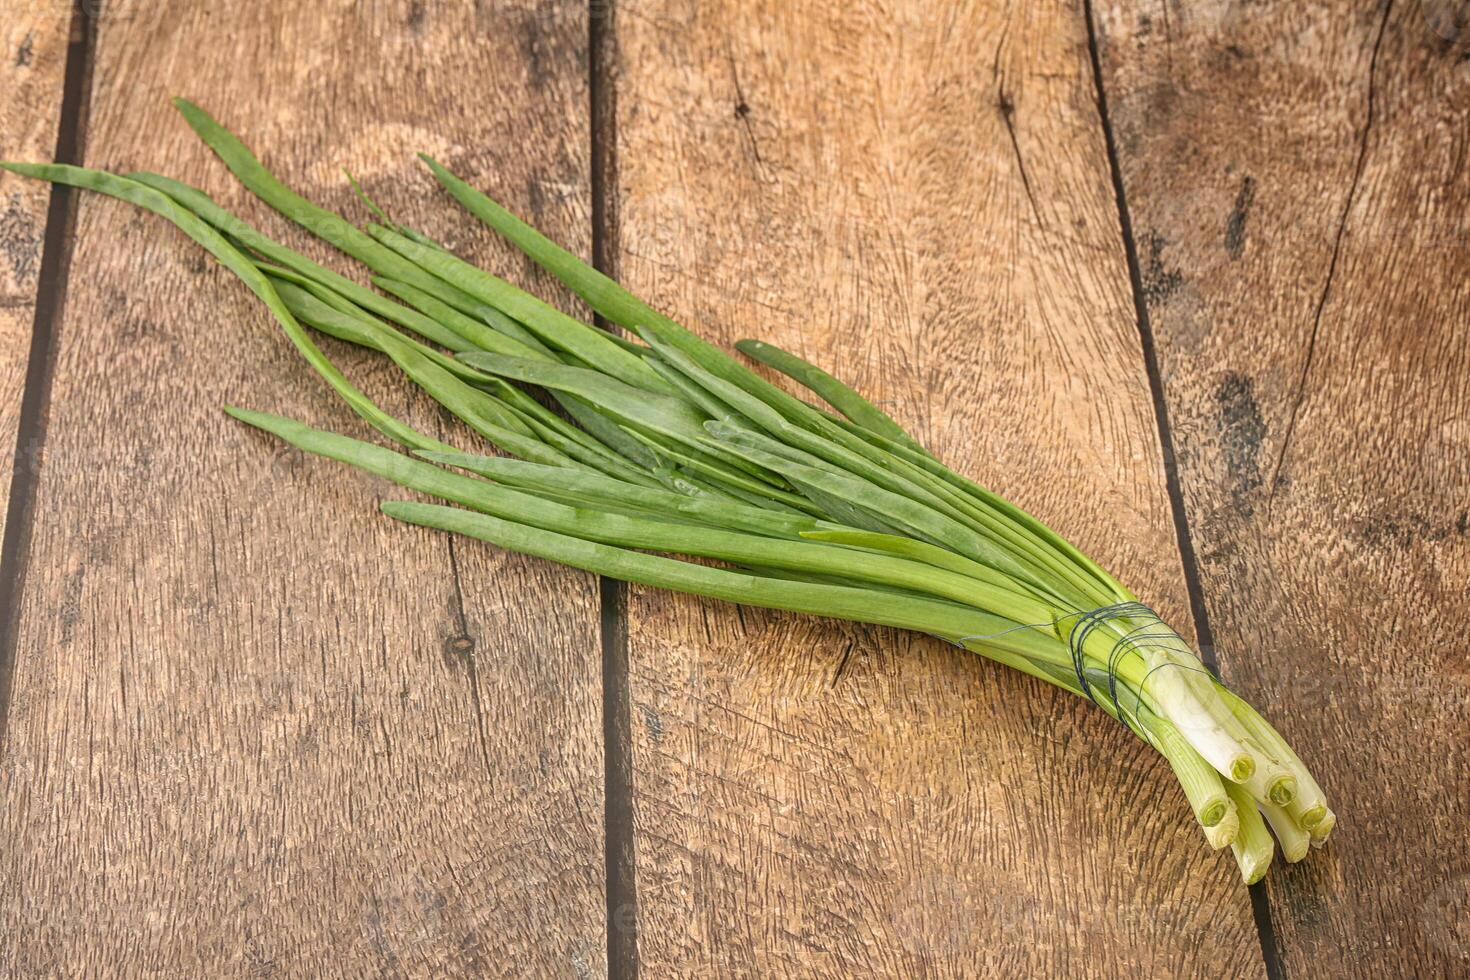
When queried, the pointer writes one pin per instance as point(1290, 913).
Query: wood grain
point(32, 68)
point(258, 729)
point(919, 199)
point(1297, 179)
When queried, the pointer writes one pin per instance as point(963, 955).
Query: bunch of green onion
point(665, 445)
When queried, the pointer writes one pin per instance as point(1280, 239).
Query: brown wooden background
point(1190, 281)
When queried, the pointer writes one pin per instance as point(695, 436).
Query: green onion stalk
point(662, 447)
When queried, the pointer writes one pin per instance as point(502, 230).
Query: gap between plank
point(30, 436)
point(617, 738)
point(1260, 900)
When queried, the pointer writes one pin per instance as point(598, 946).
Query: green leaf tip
point(202, 122)
point(262, 420)
point(194, 115)
point(249, 415)
point(188, 108)
point(372, 205)
point(405, 510)
point(443, 173)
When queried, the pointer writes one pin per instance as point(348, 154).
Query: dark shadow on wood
point(30, 438)
point(617, 737)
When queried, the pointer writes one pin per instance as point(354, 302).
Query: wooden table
point(1190, 281)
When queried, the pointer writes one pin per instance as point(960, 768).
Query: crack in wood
point(1007, 114)
point(742, 109)
point(1347, 207)
point(463, 645)
point(1260, 905)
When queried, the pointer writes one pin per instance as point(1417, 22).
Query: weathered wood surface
point(256, 728)
point(33, 50)
point(1298, 185)
point(922, 203)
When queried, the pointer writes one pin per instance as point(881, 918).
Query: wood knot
point(459, 647)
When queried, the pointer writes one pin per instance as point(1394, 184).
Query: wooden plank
point(921, 201)
point(257, 728)
point(32, 69)
point(1297, 179)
